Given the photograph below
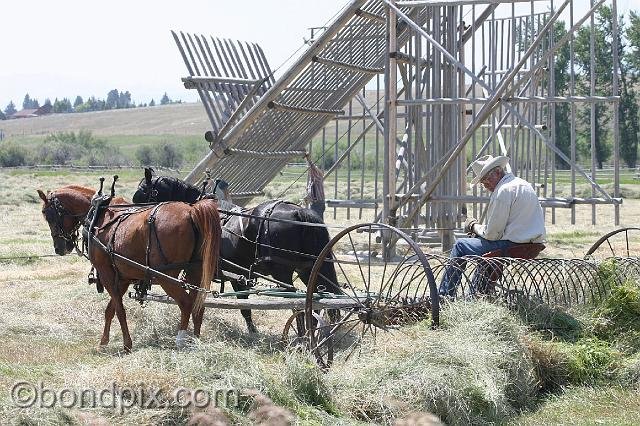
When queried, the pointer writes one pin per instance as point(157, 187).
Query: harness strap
point(151, 220)
point(266, 240)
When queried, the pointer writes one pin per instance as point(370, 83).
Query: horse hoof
point(182, 339)
point(252, 329)
point(102, 348)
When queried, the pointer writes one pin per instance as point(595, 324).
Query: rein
point(57, 212)
point(153, 192)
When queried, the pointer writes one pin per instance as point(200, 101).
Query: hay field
point(176, 119)
point(475, 369)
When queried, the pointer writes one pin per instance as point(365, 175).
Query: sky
point(67, 48)
point(56, 49)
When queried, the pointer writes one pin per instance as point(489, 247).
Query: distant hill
point(175, 119)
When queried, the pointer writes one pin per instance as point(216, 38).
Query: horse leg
point(109, 312)
point(285, 275)
point(246, 313)
point(118, 306)
point(184, 301)
point(197, 321)
point(115, 306)
point(334, 314)
point(194, 277)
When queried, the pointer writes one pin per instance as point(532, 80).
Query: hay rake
point(556, 282)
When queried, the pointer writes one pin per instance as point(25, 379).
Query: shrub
point(57, 153)
point(12, 155)
point(81, 147)
point(144, 155)
point(169, 156)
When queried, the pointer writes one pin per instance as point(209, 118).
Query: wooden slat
point(262, 303)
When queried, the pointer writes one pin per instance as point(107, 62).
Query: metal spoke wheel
point(294, 332)
point(624, 242)
point(295, 337)
point(386, 283)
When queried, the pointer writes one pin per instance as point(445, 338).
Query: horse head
point(62, 222)
point(164, 188)
point(146, 192)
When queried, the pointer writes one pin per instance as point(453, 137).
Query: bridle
point(153, 192)
point(55, 213)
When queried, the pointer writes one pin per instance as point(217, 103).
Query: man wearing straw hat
point(514, 216)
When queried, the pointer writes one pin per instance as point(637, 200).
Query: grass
point(485, 365)
point(573, 238)
point(472, 370)
point(586, 406)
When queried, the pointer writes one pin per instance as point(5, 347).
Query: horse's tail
point(206, 219)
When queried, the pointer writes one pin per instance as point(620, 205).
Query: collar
point(508, 177)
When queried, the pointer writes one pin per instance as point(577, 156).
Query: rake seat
point(491, 270)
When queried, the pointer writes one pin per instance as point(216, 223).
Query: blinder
point(54, 213)
point(149, 190)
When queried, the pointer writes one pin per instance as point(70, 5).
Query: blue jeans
point(476, 246)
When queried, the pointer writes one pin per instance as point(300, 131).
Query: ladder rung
point(246, 194)
point(278, 106)
point(370, 16)
point(405, 59)
point(344, 65)
point(195, 81)
point(266, 154)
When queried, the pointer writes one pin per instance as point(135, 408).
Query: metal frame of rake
point(557, 282)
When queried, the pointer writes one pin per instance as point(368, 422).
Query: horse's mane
point(179, 182)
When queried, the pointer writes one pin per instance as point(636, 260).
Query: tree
point(67, 104)
point(144, 155)
point(152, 103)
point(91, 104)
point(561, 83)
point(10, 109)
point(62, 106)
point(165, 99)
point(633, 36)
point(112, 99)
point(30, 103)
point(628, 106)
point(596, 116)
point(2, 116)
point(630, 72)
point(47, 102)
point(26, 103)
point(78, 101)
point(124, 100)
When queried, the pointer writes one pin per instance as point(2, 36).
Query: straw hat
point(484, 164)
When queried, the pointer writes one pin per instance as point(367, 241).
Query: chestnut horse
point(274, 238)
point(169, 238)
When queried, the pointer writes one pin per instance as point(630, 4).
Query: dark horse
point(169, 237)
point(275, 238)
